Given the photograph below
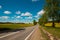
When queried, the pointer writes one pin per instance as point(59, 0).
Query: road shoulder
point(37, 35)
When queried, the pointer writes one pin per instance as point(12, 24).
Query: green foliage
point(34, 22)
point(52, 11)
point(54, 31)
point(43, 19)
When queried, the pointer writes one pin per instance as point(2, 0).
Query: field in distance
point(15, 25)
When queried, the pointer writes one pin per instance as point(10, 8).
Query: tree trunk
point(53, 24)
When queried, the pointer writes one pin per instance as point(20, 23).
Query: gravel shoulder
point(37, 35)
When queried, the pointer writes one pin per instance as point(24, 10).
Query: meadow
point(15, 26)
point(53, 30)
point(50, 24)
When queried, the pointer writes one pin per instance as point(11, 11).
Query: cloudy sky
point(21, 10)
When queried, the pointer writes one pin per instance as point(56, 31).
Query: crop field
point(15, 26)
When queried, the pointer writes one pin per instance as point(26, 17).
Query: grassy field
point(50, 24)
point(15, 26)
point(55, 31)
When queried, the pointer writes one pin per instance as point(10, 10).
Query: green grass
point(50, 24)
point(54, 31)
point(15, 26)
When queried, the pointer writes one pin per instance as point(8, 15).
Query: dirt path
point(37, 35)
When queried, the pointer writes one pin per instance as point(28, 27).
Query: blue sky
point(21, 10)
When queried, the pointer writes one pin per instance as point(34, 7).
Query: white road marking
point(30, 34)
point(9, 34)
point(18, 32)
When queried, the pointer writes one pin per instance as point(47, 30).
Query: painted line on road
point(9, 34)
point(30, 34)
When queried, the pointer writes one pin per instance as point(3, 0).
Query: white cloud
point(36, 16)
point(26, 14)
point(41, 12)
point(0, 6)
point(12, 17)
point(7, 12)
point(18, 12)
point(0, 17)
point(34, 0)
point(30, 17)
point(15, 17)
point(4, 17)
point(22, 14)
point(18, 16)
point(16, 21)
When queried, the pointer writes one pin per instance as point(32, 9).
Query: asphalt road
point(18, 35)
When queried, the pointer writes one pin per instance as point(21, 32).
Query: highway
point(18, 35)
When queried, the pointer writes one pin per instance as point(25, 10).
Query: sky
point(23, 11)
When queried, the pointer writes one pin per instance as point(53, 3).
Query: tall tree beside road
point(52, 10)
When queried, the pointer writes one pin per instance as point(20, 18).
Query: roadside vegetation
point(52, 12)
point(34, 22)
point(44, 35)
point(54, 31)
point(15, 25)
point(50, 20)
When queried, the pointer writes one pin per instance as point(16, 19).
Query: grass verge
point(54, 31)
point(44, 35)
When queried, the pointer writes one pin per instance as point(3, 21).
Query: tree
point(34, 22)
point(51, 8)
point(43, 19)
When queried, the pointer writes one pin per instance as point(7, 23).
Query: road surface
point(18, 35)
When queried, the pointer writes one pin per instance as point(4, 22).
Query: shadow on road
point(5, 30)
